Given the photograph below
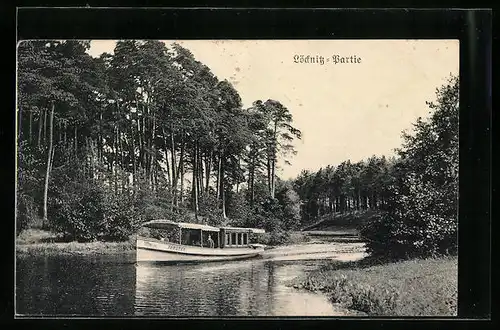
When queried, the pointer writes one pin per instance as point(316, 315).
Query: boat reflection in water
point(115, 286)
point(241, 288)
point(175, 242)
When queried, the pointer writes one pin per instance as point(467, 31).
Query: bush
point(85, 211)
point(209, 209)
point(422, 216)
point(78, 211)
point(421, 223)
point(29, 187)
point(26, 211)
point(278, 237)
point(120, 218)
point(290, 203)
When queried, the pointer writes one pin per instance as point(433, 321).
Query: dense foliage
point(106, 143)
point(415, 195)
point(149, 132)
point(347, 187)
point(423, 211)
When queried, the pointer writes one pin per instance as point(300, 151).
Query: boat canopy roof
point(164, 224)
point(240, 229)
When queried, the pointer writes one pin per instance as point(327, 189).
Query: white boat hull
point(150, 250)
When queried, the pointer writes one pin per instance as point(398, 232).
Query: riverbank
point(335, 234)
point(410, 288)
point(39, 242)
point(34, 242)
point(75, 248)
point(344, 221)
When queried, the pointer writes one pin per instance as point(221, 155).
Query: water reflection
point(74, 286)
point(104, 286)
point(248, 288)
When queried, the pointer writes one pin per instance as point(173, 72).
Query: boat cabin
point(192, 234)
point(236, 236)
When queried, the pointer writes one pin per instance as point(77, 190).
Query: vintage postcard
point(237, 178)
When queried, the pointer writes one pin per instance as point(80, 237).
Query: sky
point(346, 111)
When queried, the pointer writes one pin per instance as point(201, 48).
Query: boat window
point(233, 239)
point(240, 238)
point(245, 239)
point(191, 237)
point(227, 240)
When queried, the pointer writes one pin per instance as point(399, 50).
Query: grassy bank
point(35, 242)
point(410, 288)
point(41, 242)
point(38, 242)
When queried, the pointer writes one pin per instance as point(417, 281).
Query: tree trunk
point(152, 158)
point(273, 178)
point(222, 191)
point(167, 163)
point(269, 175)
point(251, 177)
point(224, 215)
point(49, 166)
point(122, 159)
point(252, 188)
point(177, 174)
point(156, 178)
point(132, 155)
point(273, 159)
point(238, 182)
point(140, 143)
point(181, 169)
point(40, 121)
point(195, 182)
point(208, 170)
point(199, 189)
point(219, 177)
point(174, 164)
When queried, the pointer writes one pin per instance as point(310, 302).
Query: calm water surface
point(105, 286)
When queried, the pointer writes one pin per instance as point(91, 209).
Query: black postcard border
point(472, 27)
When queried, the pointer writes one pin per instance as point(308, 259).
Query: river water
point(114, 286)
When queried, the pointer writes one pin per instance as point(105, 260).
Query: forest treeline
point(150, 132)
point(414, 193)
point(363, 185)
point(106, 143)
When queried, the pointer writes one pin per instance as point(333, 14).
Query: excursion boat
point(178, 242)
